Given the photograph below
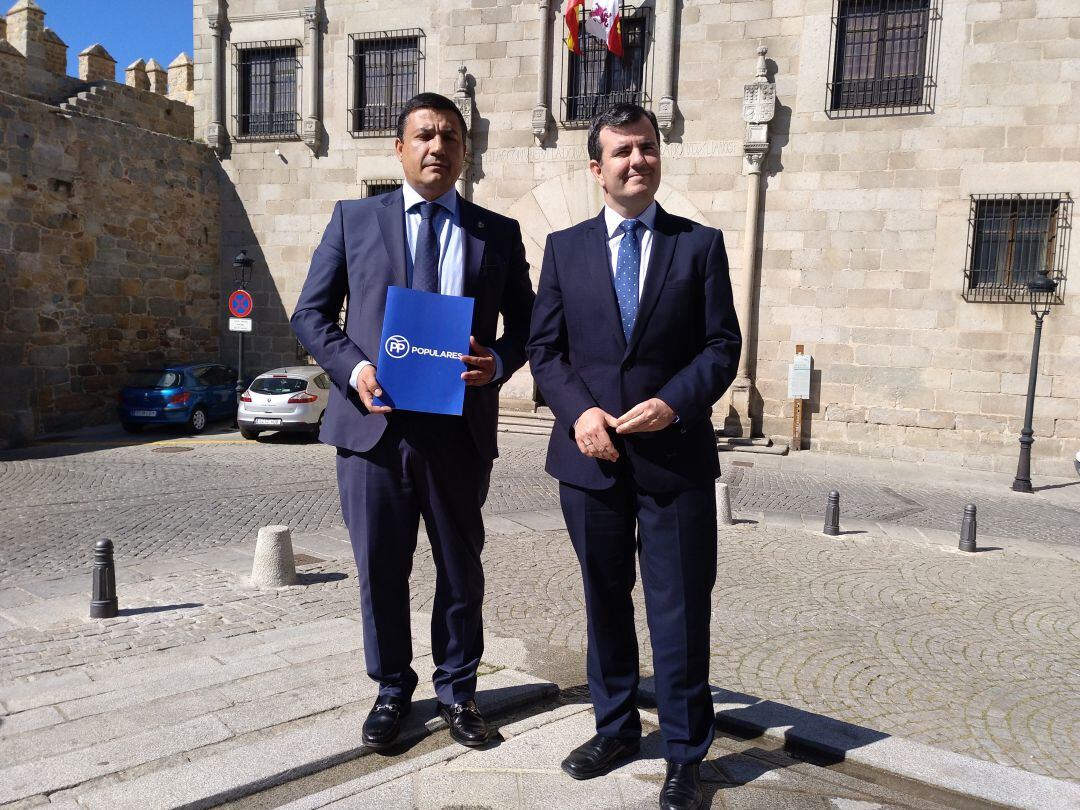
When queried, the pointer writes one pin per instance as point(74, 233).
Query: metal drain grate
point(306, 559)
point(172, 448)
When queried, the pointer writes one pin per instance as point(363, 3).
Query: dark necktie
point(426, 261)
point(627, 268)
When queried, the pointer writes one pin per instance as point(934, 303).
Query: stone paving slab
point(523, 771)
point(867, 751)
point(215, 719)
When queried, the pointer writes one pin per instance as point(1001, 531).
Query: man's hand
point(652, 414)
point(591, 433)
point(367, 387)
point(481, 364)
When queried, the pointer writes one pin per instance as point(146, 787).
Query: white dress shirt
point(647, 218)
point(451, 251)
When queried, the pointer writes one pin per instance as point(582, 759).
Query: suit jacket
point(361, 254)
point(684, 349)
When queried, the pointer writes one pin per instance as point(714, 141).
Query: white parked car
point(291, 398)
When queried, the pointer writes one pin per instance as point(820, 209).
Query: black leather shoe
point(467, 725)
point(682, 788)
point(598, 756)
point(384, 721)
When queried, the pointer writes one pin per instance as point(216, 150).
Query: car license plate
point(262, 420)
point(144, 413)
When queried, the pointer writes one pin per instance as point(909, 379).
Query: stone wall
point(865, 222)
point(109, 230)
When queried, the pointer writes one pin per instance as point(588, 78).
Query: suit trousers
point(675, 536)
point(423, 466)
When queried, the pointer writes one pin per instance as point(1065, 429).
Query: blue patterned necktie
point(426, 260)
point(627, 268)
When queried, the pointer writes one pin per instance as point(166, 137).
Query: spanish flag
point(573, 38)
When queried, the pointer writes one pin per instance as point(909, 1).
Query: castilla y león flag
point(603, 23)
point(573, 37)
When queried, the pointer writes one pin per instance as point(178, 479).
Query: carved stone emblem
point(759, 103)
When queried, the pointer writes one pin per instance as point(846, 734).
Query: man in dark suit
point(394, 466)
point(634, 337)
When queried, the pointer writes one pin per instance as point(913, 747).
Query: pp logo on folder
point(424, 336)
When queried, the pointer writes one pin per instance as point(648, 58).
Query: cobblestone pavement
point(979, 654)
point(57, 498)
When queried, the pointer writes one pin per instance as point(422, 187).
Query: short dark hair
point(429, 101)
point(616, 117)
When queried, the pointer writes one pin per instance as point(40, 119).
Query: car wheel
point(249, 434)
point(197, 421)
point(131, 427)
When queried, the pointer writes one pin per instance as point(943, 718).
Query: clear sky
point(129, 29)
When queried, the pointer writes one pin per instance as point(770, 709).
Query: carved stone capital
point(752, 160)
point(311, 133)
point(665, 115)
point(216, 23)
point(217, 138)
point(541, 119)
point(311, 16)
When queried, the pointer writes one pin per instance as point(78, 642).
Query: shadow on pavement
point(157, 609)
point(318, 579)
point(818, 738)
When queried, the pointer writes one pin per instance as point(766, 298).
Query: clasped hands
point(591, 428)
point(481, 371)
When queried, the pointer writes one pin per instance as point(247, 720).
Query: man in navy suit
point(394, 466)
point(634, 337)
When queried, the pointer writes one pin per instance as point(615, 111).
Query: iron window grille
point(372, 188)
point(386, 70)
point(1013, 238)
point(597, 79)
point(884, 57)
point(266, 89)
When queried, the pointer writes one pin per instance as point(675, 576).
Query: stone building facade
point(109, 228)
point(914, 166)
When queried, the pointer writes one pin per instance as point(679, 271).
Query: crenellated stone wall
point(109, 236)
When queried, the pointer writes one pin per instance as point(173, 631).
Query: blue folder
point(423, 337)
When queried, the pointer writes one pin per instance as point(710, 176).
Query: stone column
point(216, 134)
point(464, 101)
point(182, 79)
point(311, 128)
point(541, 114)
point(135, 75)
point(759, 106)
point(96, 65)
point(25, 30)
point(55, 52)
point(666, 29)
point(157, 78)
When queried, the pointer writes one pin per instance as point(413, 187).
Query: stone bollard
point(103, 604)
point(274, 565)
point(967, 529)
point(723, 504)
point(832, 514)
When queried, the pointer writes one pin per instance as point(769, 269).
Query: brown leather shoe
point(467, 725)
point(598, 756)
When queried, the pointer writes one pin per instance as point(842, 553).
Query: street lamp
point(241, 266)
point(1041, 290)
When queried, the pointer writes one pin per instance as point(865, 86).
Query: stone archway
point(558, 203)
point(569, 198)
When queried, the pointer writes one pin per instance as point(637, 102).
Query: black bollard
point(967, 529)
point(104, 605)
point(832, 514)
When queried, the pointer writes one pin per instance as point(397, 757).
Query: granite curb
point(883, 758)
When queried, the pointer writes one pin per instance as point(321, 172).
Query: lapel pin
point(480, 224)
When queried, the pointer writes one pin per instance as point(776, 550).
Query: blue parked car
point(192, 395)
